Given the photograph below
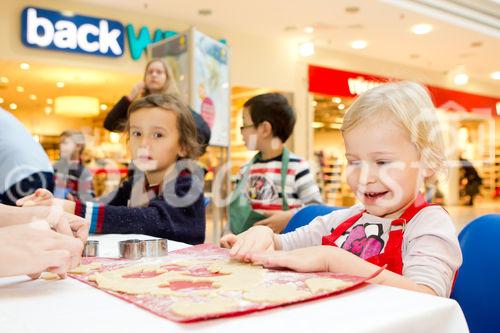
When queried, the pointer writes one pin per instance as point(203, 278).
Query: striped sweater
point(159, 218)
point(264, 184)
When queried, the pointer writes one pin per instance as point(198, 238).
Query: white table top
point(71, 306)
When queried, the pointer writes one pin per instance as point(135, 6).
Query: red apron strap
point(340, 229)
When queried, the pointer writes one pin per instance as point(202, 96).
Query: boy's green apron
point(241, 215)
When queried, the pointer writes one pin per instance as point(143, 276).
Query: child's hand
point(309, 259)
point(41, 197)
point(258, 238)
point(277, 221)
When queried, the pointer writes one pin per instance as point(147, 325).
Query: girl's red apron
point(392, 254)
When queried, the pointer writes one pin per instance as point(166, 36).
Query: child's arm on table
point(335, 260)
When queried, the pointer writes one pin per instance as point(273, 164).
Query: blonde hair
point(170, 86)
point(411, 106)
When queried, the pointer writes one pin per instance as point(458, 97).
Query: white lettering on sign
point(64, 34)
point(359, 85)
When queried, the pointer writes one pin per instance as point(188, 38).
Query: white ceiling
point(384, 24)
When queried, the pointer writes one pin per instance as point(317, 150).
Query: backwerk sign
point(47, 29)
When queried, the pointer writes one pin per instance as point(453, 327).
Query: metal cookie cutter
point(154, 248)
point(91, 249)
point(131, 249)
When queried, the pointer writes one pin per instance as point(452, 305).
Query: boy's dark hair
point(275, 109)
point(185, 121)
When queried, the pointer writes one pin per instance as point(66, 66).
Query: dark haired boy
point(275, 183)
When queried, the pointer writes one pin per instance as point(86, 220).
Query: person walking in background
point(24, 165)
point(470, 180)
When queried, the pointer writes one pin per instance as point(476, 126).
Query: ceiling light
point(1, 100)
point(341, 106)
point(24, 66)
point(13, 106)
point(306, 49)
point(314, 103)
point(309, 30)
point(50, 101)
point(359, 44)
point(103, 107)
point(114, 137)
point(4, 80)
point(48, 110)
point(20, 89)
point(76, 106)
point(461, 79)
point(68, 13)
point(317, 124)
point(336, 100)
point(32, 97)
point(60, 84)
point(495, 75)
point(421, 29)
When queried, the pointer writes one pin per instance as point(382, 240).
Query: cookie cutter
point(154, 248)
point(91, 249)
point(130, 249)
point(136, 249)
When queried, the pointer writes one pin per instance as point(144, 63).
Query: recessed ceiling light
point(104, 107)
point(306, 49)
point(495, 75)
point(47, 110)
point(24, 66)
point(68, 13)
point(13, 106)
point(4, 80)
point(20, 89)
point(422, 28)
point(32, 97)
point(205, 12)
point(309, 30)
point(341, 106)
point(359, 44)
point(1, 100)
point(461, 79)
point(336, 100)
point(50, 101)
point(314, 103)
point(60, 84)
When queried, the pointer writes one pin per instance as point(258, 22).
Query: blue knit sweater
point(159, 218)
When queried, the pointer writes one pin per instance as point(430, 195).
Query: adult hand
point(277, 221)
point(33, 248)
point(137, 89)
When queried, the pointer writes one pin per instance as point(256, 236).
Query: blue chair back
point(477, 287)
point(306, 215)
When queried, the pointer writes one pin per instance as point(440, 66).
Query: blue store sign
point(47, 29)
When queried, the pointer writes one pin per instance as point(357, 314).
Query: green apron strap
point(284, 171)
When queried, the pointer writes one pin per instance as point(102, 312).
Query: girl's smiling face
point(383, 167)
point(154, 139)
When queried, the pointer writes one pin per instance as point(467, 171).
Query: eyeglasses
point(246, 126)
